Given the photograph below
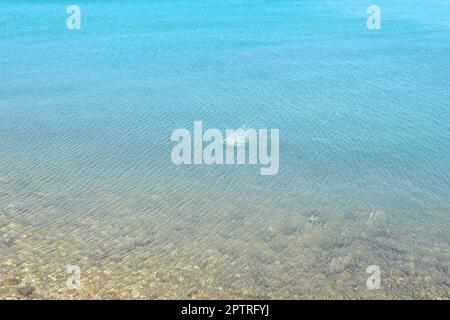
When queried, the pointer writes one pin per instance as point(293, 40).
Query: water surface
point(86, 177)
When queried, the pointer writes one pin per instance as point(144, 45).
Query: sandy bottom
point(142, 255)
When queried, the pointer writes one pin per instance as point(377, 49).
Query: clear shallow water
point(86, 177)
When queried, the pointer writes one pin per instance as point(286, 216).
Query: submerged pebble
point(10, 282)
point(27, 289)
point(338, 265)
point(7, 241)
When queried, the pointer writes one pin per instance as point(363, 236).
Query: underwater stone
point(278, 247)
point(192, 292)
point(7, 241)
point(338, 265)
point(10, 282)
point(288, 230)
point(143, 242)
point(26, 289)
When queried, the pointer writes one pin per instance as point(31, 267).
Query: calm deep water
point(86, 177)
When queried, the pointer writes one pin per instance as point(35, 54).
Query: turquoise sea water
point(86, 177)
